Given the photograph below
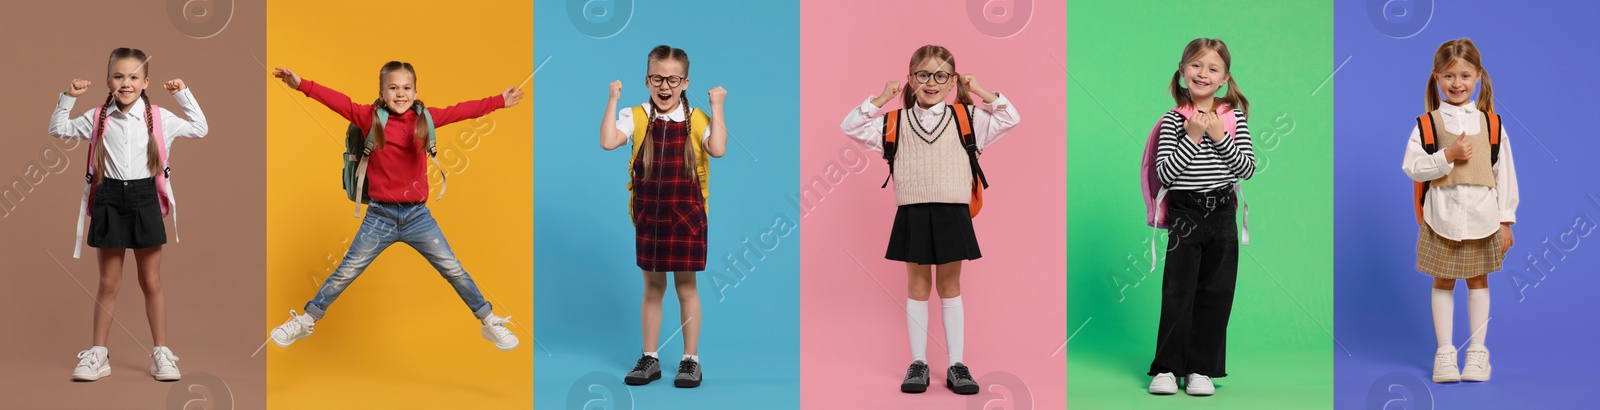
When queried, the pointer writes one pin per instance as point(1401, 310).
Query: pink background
point(852, 317)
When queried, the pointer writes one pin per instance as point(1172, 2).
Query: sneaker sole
point(913, 387)
point(1438, 379)
point(166, 377)
point(92, 376)
point(497, 345)
point(640, 381)
point(281, 343)
point(961, 390)
point(686, 383)
point(1201, 392)
point(1164, 392)
point(1476, 378)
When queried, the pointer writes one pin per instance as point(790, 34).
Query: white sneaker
point(494, 330)
point(164, 365)
point(92, 364)
point(1199, 385)
point(1477, 367)
point(1444, 365)
point(298, 327)
point(1164, 383)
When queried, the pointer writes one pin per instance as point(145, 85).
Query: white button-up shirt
point(1463, 212)
point(127, 137)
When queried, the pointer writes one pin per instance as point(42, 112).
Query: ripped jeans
point(385, 224)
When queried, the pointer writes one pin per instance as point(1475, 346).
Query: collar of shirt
point(676, 115)
point(930, 113)
point(1451, 110)
point(135, 112)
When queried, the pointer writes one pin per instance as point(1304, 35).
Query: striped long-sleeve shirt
point(1188, 166)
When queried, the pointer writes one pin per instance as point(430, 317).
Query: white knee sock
point(1443, 311)
point(1478, 314)
point(954, 326)
point(917, 328)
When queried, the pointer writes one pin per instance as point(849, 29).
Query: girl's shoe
point(688, 374)
point(1444, 365)
point(648, 369)
point(494, 330)
point(959, 380)
point(297, 327)
point(164, 365)
point(92, 364)
point(1199, 385)
point(1477, 367)
point(1164, 383)
point(916, 378)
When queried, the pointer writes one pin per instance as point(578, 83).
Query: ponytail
point(1485, 93)
point(1235, 98)
point(99, 129)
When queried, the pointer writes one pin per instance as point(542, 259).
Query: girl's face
point(399, 90)
point(127, 80)
point(932, 92)
point(666, 81)
point(1205, 74)
point(1457, 81)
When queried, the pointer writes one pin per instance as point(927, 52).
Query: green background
point(1120, 58)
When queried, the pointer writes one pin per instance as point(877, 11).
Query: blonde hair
point(1235, 98)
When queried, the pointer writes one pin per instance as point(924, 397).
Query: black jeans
point(1197, 284)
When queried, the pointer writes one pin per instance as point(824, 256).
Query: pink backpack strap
point(169, 203)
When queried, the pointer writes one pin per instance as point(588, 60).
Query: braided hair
point(647, 147)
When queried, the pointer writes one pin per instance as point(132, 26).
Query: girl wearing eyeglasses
point(668, 168)
point(933, 187)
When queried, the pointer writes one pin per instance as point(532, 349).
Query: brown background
point(213, 280)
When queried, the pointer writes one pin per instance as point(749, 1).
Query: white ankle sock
point(917, 328)
point(1478, 314)
point(652, 354)
point(954, 326)
point(1443, 311)
point(692, 358)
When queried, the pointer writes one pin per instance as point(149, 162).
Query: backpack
point(698, 121)
point(969, 141)
point(169, 203)
point(1155, 192)
point(1426, 129)
point(358, 149)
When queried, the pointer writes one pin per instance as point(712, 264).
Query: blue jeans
point(385, 224)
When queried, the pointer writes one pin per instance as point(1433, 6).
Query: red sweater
point(398, 172)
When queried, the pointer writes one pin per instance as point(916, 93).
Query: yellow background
point(399, 337)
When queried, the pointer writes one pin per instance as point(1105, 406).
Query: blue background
point(1540, 59)
point(586, 287)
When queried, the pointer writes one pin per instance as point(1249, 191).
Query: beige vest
point(1475, 171)
point(936, 172)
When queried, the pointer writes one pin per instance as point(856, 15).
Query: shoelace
point(644, 363)
point(1443, 360)
point(165, 358)
point(498, 326)
point(917, 372)
point(294, 326)
point(88, 358)
point(687, 366)
point(1476, 358)
point(961, 372)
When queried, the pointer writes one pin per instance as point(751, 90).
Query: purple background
point(1541, 59)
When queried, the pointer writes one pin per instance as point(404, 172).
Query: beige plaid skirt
point(1447, 259)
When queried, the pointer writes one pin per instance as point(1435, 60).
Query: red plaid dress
point(669, 215)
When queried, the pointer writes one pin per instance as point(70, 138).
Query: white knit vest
point(931, 173)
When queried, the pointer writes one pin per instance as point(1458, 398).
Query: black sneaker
point(916, 378)
point(647, 370)
point(959, 380)
point(688, 374)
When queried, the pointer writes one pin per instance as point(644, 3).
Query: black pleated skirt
point(932, 234)
point(126, 214)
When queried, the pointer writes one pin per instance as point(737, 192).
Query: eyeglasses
point(939, 77)
point(672, 81)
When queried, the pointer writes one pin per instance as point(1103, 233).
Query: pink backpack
point(169, 205)
point(1155, 193)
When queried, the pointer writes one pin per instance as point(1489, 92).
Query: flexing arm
point(61, 125)
point(610, 136)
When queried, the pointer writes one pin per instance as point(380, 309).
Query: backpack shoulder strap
point(1425, 130)
point(158, 136)
point(891, 135)
point(969, 141)
point(698, 121)
point(88, 179)
point(641, 121)
point(1494, 137)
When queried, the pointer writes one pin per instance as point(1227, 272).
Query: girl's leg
point(378, 231)
point(919, 281)
point(1443, 311)
point(1478, 309)
point(1213, 303)
point(1179, 278)
point(106, 300)
point(954, 315)
point(155, 304)
point(655, 285)
point(422, 232)
point(689, 311)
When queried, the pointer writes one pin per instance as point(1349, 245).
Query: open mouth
point(1199, 83)
point(663, 96)
point(930, 92)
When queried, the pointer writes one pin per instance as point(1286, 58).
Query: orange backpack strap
point(1430, 145)
point(1494, 137)
point(970, 141)
point(891, 133)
